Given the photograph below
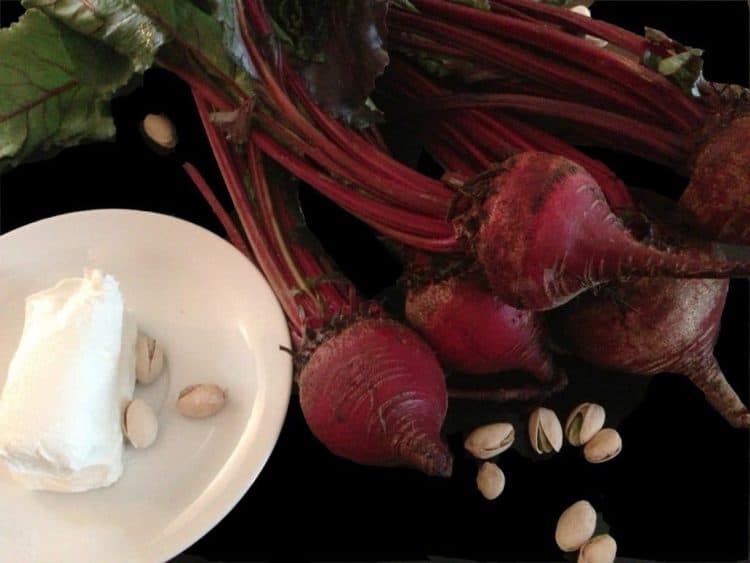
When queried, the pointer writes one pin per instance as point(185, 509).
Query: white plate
point(219, 322)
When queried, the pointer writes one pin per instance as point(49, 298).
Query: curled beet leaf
point(338, 46)
point(682, 65)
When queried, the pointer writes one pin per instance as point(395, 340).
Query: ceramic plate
point(218, 321)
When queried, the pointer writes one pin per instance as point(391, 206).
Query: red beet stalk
point(370, 389)
point(649, 116)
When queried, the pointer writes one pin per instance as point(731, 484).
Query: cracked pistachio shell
point(490, 440)
point(149, 359)
point(605, 445)
point(545, 431)
point(201, 400)
point(583, 423)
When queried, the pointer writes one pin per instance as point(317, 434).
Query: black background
point(679, 490)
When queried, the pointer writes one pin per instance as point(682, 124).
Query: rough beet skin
point(473, 332)
point(717, 199)
point(651, 326)
point(544, 233)
point(374, 393)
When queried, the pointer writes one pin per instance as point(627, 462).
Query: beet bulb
point(375, 394)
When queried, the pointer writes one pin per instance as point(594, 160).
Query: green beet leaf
point(338, 47)
point(121, 24)
point(55, 87)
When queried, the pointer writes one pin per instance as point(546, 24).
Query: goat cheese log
point(67, 384)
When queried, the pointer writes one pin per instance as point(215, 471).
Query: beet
point(374, 393)
point(543, 233)
point(473, 332)
point(651, 326)
point(717, 199)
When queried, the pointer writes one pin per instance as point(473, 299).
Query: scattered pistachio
point(575, 526)
point(605, 445)
point(161, 130)
point(545, 432)
point(581, 9)
point(583, 422)
point(584, 11)
point(201, 400)
point(149, 359)
point(599, 549)
point(490, 480)
point(140, 424)
point(490, 440)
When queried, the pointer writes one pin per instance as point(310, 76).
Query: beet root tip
point(708, 377)
point(431, 457)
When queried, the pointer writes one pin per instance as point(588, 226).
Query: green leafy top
point(303, 26)
point(55, 86)
point(682, 65)
point(121, 24)
point(145, 29)
point(338, 47)
point(65, 59)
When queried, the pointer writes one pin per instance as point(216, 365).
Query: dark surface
point(679, 490)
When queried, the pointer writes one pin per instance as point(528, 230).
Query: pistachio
point(149, 359)
point(584, 11)
point(490, 440)
point(545, 432)
point(575, 526)
point(201, 400)
point(583, 422)
point(161, 130)
point(490, 480)
point(605, 445)
point(140, 424)
point(599, 549)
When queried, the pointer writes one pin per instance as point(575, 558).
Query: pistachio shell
point(599, 549)
point(583, 422)
point(490, 480)
point(575, 526)
point(149, 359)
point(582, 10)
point(605, 445)
point(545, 431)
point(160, 130)
point(140, 424)
point(490, 440)
point(201, 400)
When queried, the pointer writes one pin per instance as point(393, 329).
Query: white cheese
point(68, 382)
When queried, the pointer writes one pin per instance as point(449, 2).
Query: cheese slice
point(68, 382)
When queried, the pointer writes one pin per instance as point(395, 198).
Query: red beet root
point(544, 234)
point(472, 331)
point(651, 326)
point(718, 197)
point(374, 393)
